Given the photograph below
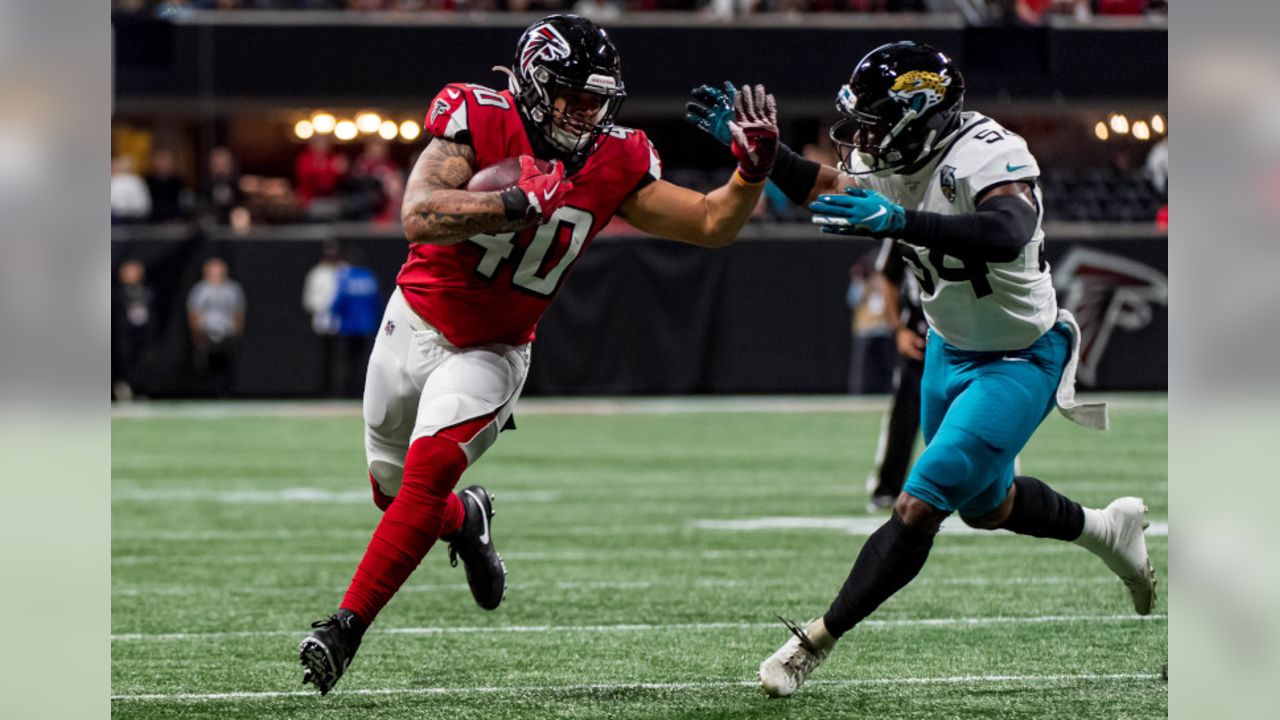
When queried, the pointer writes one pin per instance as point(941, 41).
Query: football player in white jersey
point(958, 192)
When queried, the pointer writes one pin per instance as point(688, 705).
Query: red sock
point(425, 509)
point(380, 499)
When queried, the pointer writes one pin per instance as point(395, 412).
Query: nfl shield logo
point(390, 327)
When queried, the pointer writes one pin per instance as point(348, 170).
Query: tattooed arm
point(437, 212)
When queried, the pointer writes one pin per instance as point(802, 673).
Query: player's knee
point(433, 465)
point(386, 477)
point(990, 521)
point(917, 513)
point(995, 518)
point(380, 499)
point(945, 464)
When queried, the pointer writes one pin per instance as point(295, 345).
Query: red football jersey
point(494, 288)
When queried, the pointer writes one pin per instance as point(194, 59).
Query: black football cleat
point(486, 573)
point(328, 649)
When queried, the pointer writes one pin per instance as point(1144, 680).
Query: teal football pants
point(978, 410)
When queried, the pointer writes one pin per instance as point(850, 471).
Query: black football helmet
point(568, 52)
point(903, 100)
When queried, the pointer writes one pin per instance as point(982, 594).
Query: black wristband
point(515, 204)
point(794, 175)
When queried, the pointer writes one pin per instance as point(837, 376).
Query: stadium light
point(368, 122)
point(1119, 124)
point(323, 122)
point(1101, 131)
point(304, 129)
point(345, 130)
point(388, 130)
point(409, 130)
point(1157, 124)
point(1141, 131)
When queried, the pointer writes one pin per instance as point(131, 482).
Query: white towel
point(1090, 415)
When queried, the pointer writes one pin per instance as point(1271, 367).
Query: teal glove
point(711, 110)
point(859, 212)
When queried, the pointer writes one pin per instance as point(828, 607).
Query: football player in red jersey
point(453, 353)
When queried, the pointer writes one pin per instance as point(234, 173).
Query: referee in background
point(901, 423)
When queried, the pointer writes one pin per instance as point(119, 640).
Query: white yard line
point(647, 627)
point(179, 590)
point(519, 689)
point(855, 525)
point(575, 406)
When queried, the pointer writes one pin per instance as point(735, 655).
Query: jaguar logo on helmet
point(544, 43)
point(920, 89)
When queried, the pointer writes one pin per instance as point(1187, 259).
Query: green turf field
point(641, 582)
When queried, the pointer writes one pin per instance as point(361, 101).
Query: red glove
point(542, 192)
point(755, 133)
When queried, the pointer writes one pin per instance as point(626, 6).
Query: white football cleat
point(783, 672)
point(1115, 534)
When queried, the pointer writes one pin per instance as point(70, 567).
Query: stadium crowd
point(365, 183)
point(1028, 11)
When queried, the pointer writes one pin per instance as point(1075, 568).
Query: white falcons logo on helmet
point(545, 43)
point(1104, 292)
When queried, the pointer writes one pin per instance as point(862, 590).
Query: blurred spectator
point(1157, 170)
point(215, 315)
point(132, 313)
point(168, 194)
point(1032, 12)
point(374, 187)
point(1122, 7)
point(317, 172)
point(357, 308)
point(598, 10)
point(130, 200)
point(874, 352)
point(318, 293)
point(221, 193)
point(901, 423)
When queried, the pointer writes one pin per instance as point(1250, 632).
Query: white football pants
point(418, 384)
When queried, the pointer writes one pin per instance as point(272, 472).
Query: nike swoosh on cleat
point(484, 517)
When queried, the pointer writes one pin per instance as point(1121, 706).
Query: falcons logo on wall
point(545, 43)
point(1106, 292)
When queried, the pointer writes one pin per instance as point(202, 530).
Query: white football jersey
point(972, 304)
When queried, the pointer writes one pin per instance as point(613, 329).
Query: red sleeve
point(642, 159)
point(447, 116)
point(651, 160)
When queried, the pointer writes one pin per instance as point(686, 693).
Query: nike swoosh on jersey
point(484, 517)
point(546, 195)
point(454, 94)
point(1015, 359)
point(1013, 168)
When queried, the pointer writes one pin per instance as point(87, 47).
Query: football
point(501, 175)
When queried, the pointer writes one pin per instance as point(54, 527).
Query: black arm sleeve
point(997, 232)
point(794, 175)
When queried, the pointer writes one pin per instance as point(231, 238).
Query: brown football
point(501, 175)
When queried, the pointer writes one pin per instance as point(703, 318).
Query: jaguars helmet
point(903, 100)
point(568, 52)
